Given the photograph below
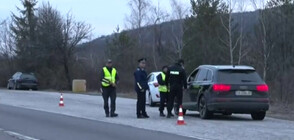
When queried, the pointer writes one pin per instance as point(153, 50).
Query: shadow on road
point(218, 117)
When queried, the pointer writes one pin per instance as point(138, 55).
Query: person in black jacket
point(141, 85)
point(163, 89)
point(176, 79)
point(109, 79)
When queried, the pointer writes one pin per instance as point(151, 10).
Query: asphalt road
point(50, 126)
point(88, 107)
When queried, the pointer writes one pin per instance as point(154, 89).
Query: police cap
point(142, 59)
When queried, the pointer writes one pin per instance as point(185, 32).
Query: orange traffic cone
point(61, 104)
point(181, 117)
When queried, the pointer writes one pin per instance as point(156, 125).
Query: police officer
point(141, 85)
point(176, 79)
point(161, 78)
point(109, 80)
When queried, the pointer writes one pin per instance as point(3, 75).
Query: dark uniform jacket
point(141, 81)
point(176, 76)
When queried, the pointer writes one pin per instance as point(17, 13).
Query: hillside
point(98, 45)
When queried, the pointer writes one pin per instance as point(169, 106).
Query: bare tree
point(180, 11)
point(73, 33)
point(7, 48)
point(266, 49)
point(227, 22)
point(138, 17)
point(242, 50)
point(158, 16)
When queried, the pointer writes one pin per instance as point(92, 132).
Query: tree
point(230, 41)
point(23, 31)
point(204, 28)
point(282, 36)
point(138, 17)
point(242, 50)
point(73, 33)
point(58, 38)
point(180, 11)
point(157, 17)
point(121, 49)
point(7, 52)
point(263, 29)
point(49, 32)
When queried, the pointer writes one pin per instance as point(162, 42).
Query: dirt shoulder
point(280, 111)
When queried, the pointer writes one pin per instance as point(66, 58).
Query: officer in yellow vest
point(109, 79)
point(163, 89)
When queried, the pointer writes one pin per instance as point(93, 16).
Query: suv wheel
point(203, 111)
point(258, 115)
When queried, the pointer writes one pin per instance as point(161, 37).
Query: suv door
point(190, 95)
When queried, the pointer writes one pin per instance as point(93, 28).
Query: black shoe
point(140, 116)
point(107, 115)
point(145, 116)
point(113, 115)
point(169, 115)
point(161, 114)
point(172, 115)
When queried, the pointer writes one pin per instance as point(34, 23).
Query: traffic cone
point(181, 117)
point(61, 104)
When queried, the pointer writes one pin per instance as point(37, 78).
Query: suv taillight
point(221, 87)
point(262, 88)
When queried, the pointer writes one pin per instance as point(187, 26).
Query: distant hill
point(97, 46)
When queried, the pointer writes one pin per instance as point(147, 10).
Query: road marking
point(17, 135)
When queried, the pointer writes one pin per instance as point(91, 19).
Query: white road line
point(17, 135)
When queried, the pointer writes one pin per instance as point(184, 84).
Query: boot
point(169, 115)
point(161, 114)
point(145, 115)
point(113, 115)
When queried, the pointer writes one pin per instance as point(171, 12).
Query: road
point(51, 126)
point(91, 108)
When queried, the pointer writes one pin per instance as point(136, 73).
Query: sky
point(103, 15)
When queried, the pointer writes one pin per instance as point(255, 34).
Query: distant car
point(152, 95)
point(23, 81)
point(226, 89)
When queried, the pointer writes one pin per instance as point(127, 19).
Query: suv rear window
point(28, 76)
point(238, 76)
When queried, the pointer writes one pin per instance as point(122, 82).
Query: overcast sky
point(103, 15)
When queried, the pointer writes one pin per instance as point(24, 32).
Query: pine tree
point(24, 33)
point(202, 37)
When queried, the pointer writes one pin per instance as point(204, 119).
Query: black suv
point(23, 81)
point(226, 90)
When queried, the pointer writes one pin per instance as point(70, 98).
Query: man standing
point(176, 79)
point(141, 85)
point(161, 78)
point(109, 79)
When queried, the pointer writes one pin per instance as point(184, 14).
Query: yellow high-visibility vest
point(162, 88)
point(110, 77)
